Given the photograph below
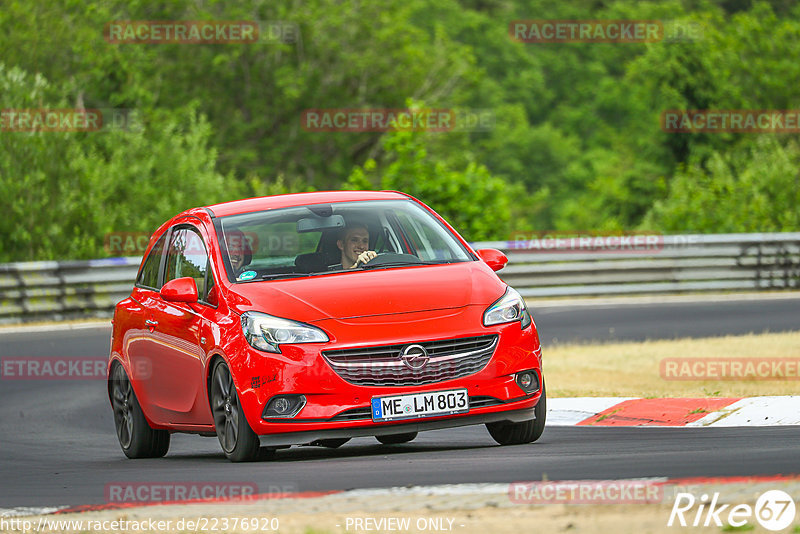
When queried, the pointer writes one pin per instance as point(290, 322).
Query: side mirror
point(493, 258)
point(180, 290)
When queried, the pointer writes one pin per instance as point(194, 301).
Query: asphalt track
point(612, 321)
point(58, 447)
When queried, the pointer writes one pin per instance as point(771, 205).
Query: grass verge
point(633, 369)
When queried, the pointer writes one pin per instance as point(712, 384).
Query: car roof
point(250, 205)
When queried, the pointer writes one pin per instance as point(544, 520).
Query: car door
point(177, 333)
point(137, 321)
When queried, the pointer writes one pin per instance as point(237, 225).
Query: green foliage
point(752, 188)
point(64, 191)
point(471, 199)
point(577, 143)
point(742, 528)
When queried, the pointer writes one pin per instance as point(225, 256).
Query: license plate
point(417, 405)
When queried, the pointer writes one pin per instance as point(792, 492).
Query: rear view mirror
point(317, 224)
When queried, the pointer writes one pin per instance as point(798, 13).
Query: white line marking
point(55, 327)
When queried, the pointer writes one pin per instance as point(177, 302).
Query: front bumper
point(336, 408)
point(307, 436)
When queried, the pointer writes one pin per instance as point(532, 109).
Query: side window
point(187, 256)
point(149, 275)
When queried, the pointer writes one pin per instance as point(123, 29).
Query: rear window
point(148, 277)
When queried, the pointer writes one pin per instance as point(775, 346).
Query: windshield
point(327, 238)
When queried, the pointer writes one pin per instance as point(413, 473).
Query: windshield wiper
point(407, 264)
point(274, 276)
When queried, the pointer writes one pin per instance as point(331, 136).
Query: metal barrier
point(537, 268)
point(657, 264)
point(58, 290)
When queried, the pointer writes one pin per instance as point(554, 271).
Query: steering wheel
point(393, 257)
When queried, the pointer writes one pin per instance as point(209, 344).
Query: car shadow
point(305, 453)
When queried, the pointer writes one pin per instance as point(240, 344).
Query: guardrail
point(657, 264)
point(59, 290)
point(537, 268)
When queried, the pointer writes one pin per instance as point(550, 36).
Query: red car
point(317, 317)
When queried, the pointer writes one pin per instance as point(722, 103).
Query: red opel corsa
point(315, 318)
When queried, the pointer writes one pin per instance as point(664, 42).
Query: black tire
point(136, 437)
point(524, 432)
point(330, 443)
point(237, 439)
point(395, 439)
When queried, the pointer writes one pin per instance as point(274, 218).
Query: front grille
point(383, 366)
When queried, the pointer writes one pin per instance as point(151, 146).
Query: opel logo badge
point(415, 357)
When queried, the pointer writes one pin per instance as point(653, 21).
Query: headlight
point(266, 332)
point(508, 309)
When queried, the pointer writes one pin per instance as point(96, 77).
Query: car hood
point(366, 293)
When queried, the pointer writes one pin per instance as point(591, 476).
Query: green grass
point(731, 528)
point(634, 370)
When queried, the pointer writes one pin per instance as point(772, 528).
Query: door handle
point(150, 322)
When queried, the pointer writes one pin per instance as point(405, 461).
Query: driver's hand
point(364, 257)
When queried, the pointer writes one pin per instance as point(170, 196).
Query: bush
point(477, 204)
point(66, 190)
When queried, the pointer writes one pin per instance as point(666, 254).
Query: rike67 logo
point(774, 510)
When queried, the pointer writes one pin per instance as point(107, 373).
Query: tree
point(752, 188)
point(478, 205)
point(65, 191)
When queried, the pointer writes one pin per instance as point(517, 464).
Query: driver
point(353, 242)
point(238, 250)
